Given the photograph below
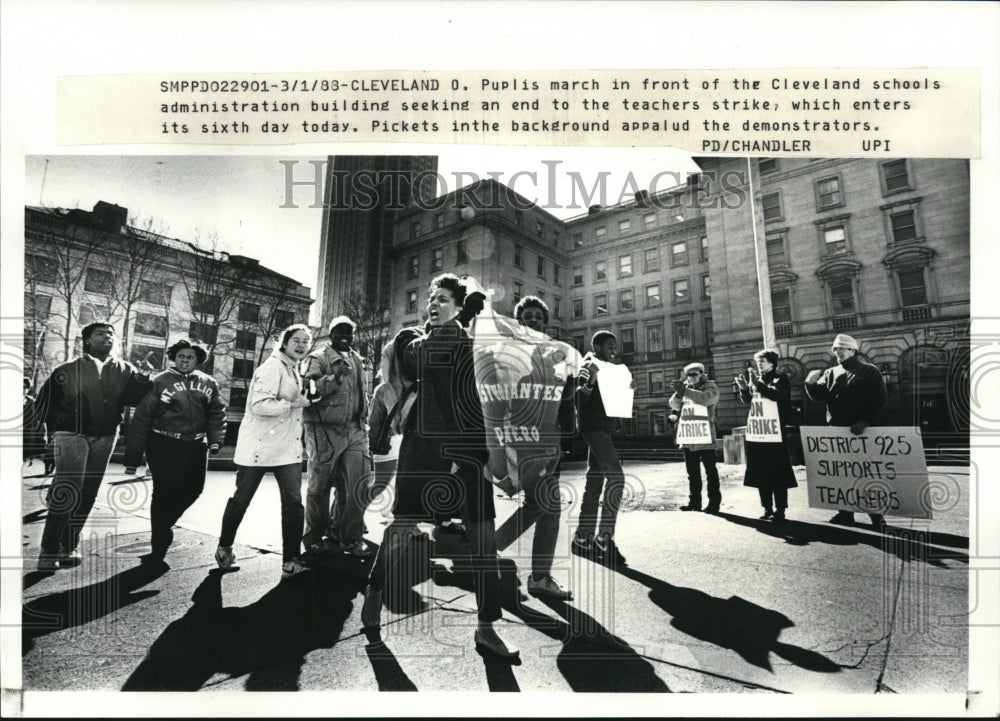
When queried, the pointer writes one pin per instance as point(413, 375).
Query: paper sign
point(881, 471)
point(617, 393)
point(694, 427)
point(763, 422)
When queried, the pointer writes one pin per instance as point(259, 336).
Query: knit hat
point(694, 367)
point(845, 341)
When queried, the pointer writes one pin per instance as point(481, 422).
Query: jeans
point(602, 462)
point(694, 460)
point(178, 469)
point(80, 465)
point(541, 507)
point(339, 460)
point(248, 478)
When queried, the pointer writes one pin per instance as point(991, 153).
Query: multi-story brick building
point(84, 266)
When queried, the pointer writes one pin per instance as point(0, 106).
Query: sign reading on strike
point(693, 428)
point(881, 471)
point(763, 422)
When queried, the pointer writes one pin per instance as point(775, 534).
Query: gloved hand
point(678, 387)
point(473, 306)
point(214, 449)
point(859, 427)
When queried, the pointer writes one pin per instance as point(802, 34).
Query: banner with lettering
point(881, 471)
point(763, 422)
point(523, 377)
point(693, 427)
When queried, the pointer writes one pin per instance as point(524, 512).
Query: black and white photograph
point(628, 431)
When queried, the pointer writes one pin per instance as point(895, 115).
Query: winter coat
point(185, 407)
point(853, 391)
point(768, 464)
point(271, 432)
point(341, 403)
point(386, 396)
point(705, 393)
point(76, 399)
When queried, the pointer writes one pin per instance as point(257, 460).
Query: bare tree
point(373, 327)
point(137, 254)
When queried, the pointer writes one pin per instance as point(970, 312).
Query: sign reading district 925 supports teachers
point(883, 470)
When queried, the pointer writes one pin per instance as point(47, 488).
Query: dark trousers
point(694, 460)
point(80, 464)
point(178, 469)
point(541, 507)
point(773, 498)
point(602, 463)
point(248, 478)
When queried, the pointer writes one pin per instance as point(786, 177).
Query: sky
point(238, 199)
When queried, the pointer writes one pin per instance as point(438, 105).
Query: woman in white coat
point(270, 439)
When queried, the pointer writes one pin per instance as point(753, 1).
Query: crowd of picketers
point(421, 433)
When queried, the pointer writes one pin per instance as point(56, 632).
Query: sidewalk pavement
point(725, 603)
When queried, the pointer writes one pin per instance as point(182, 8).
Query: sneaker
point(326, 547)
point(691, 507)
point(547, 586)
point(47, 562)
point(293, 568)
point(767, 514)
point(582, 546)
point(608, 551)
point(357, 548)
point(224, 556)
point(67, 559)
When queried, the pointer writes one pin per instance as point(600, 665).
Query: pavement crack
point(869, 645)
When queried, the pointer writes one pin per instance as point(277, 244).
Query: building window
point(155, 293)
point(904, 226)
point(649, 220)
point(283, 319)
point(242, 368)
point(460, 255)
point(578, 307)
point(540, 228)
point(518, 256)
point(624, 227)
point(601, 304)
point(627, 338)
point(145, 356)
point(557, 307)
point(202, 332)
point(40, 269)
point(205, 303)
point(439, 221)
point(625, 266)
point(828, 193)
point(90, 313)
point(706, 286)
point(518, 291)
point(415, 229)
point(771, 203)
point(682, 334)
point(776, 255)
point(626, 300)
point(151, 324)
point(237, 398)
point(653, 295)
point(658, 423)
point(767, 165)
point(246, 340)
point(656, 382)
point(835, 239)
point(579, 343)
point(599, 233)
point(577, 240)
point(540, 293)
point(414, 268)
point(600, 270)
point(895, 177)
point(681, 290)
point(248, 313)
point(555, 274)
point(411, 300)
point(912, 288)
point(842, 297)
point(651, 259)
point(781, 306)
point(703, 244)
point(629, 424)
point(97, 281)
point(437, 259)
point(678, 253)
point(541, 267)
point(519, 217)
point(578, 275)
point(709, 333)
point(654, 338)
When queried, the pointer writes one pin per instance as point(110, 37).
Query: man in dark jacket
point(83, 401)
point(854, 394)
point(602, 459)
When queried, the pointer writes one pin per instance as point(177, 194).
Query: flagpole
point(763, 276)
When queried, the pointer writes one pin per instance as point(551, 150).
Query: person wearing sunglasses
point(699, 388)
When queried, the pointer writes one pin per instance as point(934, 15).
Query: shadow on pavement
point(748, 629)
point(266, 640)
point(33, 517)
point(907, 544)
point(389, 675)
point(79, 606)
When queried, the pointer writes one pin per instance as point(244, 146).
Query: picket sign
point(763, 422)
point(694, 427)
point(617, 393)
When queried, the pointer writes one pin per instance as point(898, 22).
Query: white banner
point(694, 427)
point(881, 471)
point(763, 422)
